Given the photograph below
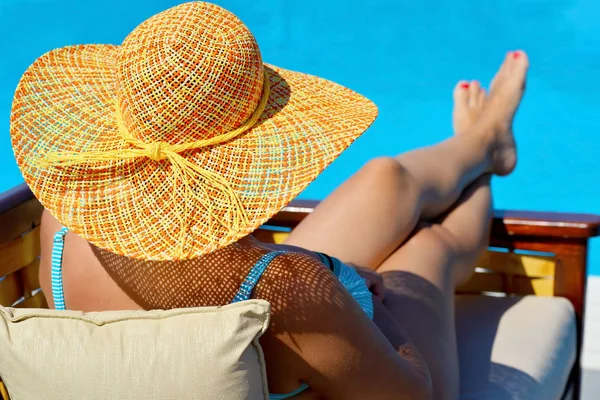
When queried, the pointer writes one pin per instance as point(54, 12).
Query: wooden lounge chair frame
point(531, 253)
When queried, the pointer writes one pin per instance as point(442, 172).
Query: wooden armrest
point(512, 223)
point(548, 224)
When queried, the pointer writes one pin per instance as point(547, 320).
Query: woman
point(161, 156)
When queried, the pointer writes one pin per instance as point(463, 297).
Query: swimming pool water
point(404, 55)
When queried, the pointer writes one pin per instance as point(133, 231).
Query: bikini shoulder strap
point(246, 288)
point(56, 273)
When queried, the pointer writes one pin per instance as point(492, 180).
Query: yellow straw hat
point(178, 142)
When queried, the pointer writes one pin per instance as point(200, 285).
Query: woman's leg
point(421, 276)
point(371, 214)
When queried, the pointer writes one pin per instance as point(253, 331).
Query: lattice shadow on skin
point(214, 279)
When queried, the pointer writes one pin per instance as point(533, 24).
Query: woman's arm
point(322, 336)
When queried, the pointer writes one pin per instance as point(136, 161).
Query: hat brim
point(66, 102)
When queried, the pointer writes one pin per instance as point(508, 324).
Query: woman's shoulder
point(301, 290)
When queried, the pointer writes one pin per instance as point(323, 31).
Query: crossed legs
point(422, 219)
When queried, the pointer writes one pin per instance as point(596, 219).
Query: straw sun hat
point(178, 142)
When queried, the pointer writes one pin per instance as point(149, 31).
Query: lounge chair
point(519, 318)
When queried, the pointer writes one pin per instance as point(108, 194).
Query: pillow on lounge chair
point(194, 353)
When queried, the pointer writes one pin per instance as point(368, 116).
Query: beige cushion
point(207, 353)
point(515, 348)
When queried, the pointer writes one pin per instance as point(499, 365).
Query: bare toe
point(520, 62)
point(461, 93)
point(474, 89)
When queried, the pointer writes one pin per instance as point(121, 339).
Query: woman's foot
point(506, 92)
point(469, 101)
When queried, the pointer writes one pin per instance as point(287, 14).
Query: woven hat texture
point(179, 141)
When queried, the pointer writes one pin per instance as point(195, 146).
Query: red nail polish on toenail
point(464, 85)
point(516, 54)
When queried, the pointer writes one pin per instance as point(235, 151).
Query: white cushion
point(207, 353)
point(515, 347)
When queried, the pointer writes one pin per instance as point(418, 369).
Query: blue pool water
point(406, 56)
